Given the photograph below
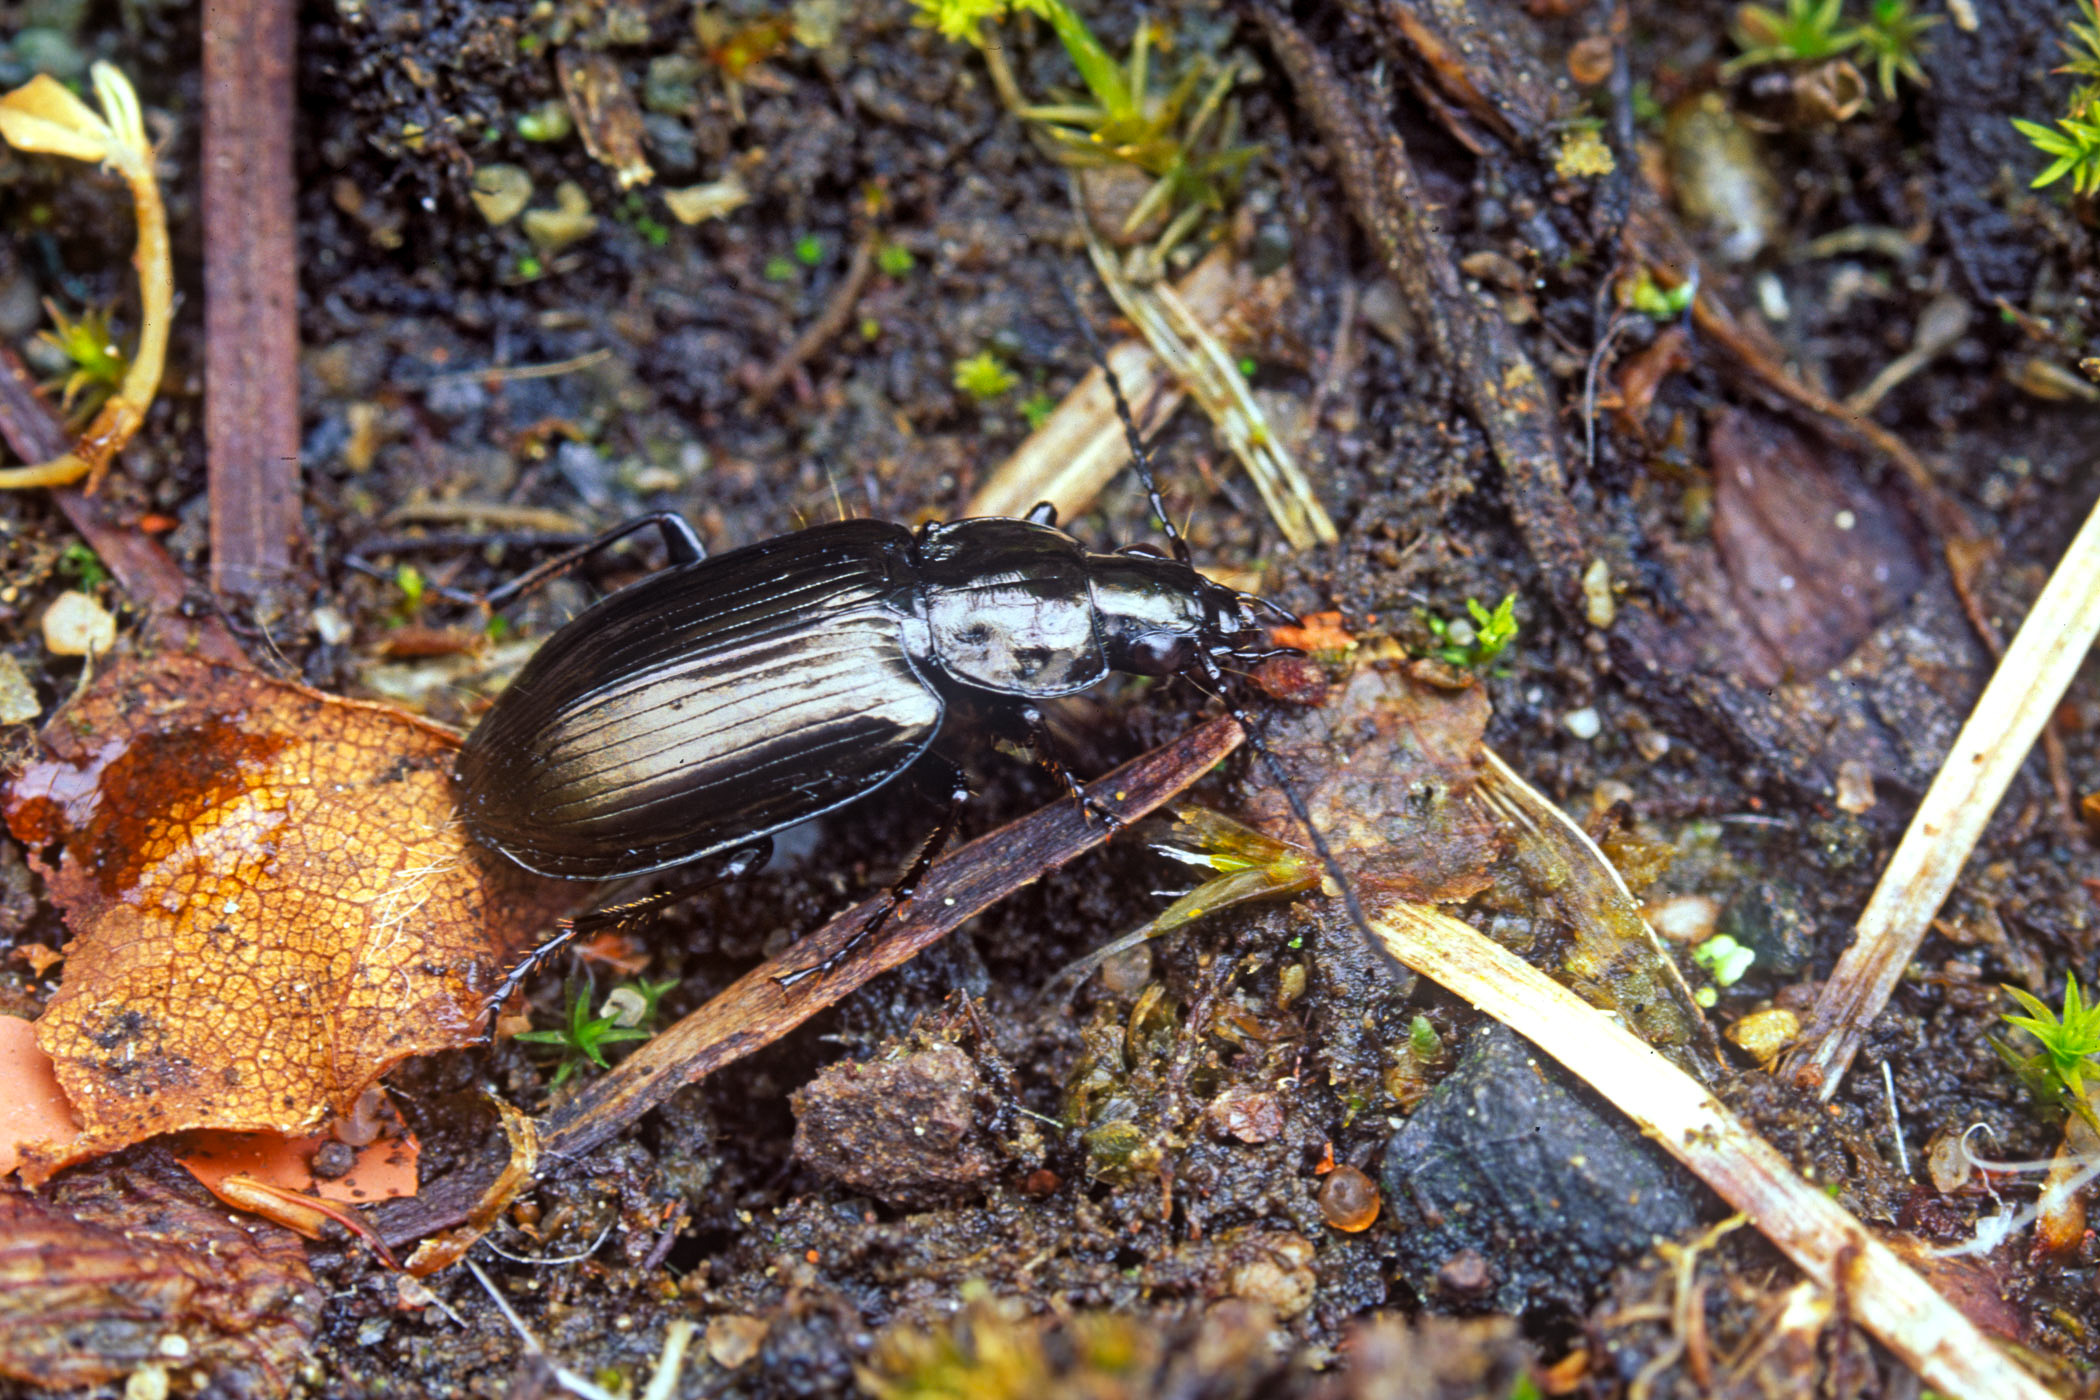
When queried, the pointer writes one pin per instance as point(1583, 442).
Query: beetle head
point(1158, 615)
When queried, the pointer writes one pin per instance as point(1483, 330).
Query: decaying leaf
point(118, 1269)
point(1416, 807)
point(1388, 766)
point(606, 114)
point(271, 897)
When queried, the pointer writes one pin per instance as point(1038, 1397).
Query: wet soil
point(1158, 1147)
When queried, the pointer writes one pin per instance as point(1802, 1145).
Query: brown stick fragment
point(757, 1009)
point(251, 295)
point(822, 331)
point(34, 433)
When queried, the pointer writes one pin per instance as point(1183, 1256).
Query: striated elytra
point(719, 700)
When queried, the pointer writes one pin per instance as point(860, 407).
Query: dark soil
point(1085, 1161)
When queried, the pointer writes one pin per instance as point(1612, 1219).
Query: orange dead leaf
point(32, 1106)
point(384, 1170)
point(271, 897)
point(1316, 632)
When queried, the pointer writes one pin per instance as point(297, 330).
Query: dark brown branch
point(251, 295)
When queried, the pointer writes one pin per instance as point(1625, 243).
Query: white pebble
point(1583, 723)
point(77, 625)
point(18, 703)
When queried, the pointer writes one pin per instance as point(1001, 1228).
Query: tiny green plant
point(1037, 408)
point(894, 259)
point(2056, 1072)
point(984, 376)
point(409, 579)
point(779, 268)
point(1807, 31)
point(98, 363)
point(1185, 139)
point(1894, 36)
point(2073, 144)
point(1492, 632)
point(82, 565)
point(809, 250)
point(582, 1038)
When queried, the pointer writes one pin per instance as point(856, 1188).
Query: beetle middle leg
point(1025, 724)
point(896, 903)
point(733, 865)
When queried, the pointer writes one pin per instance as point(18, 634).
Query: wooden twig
point(251, 295)
point(1881, 1293)
point(822, 331)
point(2023, 693)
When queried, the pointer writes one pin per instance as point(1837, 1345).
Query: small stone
point(1585, 723)
point(1280, 1277)
point(1598, 604)
point(147, 1383)
point(1765, 1033)
point(501, 192)
point(672, 86)
point(331, 626)
point(77, 625)
point(1855, 787)
point(18, 703)
point(1251, 1115)
point(717, 199)
point(1651, 744)
point(1349, 1200)
point(570, 221)
point(734, 1338)
point(1685, 918)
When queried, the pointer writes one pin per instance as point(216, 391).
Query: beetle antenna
point(1138, 453)
point(1257, 740)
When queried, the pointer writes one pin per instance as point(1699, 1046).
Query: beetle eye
point(1149, 551)
point(1160, 654)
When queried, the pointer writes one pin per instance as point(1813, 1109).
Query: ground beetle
point(693, 714)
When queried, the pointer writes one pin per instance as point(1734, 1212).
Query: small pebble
point(1349, 1200)
point(734, 1338)
point(1685, 918)
point(501, 192)
point(1765, 1033)
point(1599, 607)
point(1855, 787)
point(77, 625)
point(1584, 723)
point(17, 697)
point(331, 626)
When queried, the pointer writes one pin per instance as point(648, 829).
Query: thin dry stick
point(1081, 446)
point(2022, 694)
point(251, 295)
point(1884, 1295)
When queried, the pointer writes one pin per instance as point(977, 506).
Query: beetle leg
point(681, 545)
point(897, 903)
point(1044, 747)
point(737, 864)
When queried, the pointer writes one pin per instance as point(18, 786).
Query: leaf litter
point(271, 898)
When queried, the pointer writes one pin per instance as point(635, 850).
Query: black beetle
point(695, 713)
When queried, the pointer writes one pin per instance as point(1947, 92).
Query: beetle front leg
point(896, 903)
point(733, 866)
point(1044, 747)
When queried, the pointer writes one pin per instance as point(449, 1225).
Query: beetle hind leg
point(1044, 747)
point(733, 866)
point(896, 902)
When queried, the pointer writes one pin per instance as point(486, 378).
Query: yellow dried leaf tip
point(43, 117)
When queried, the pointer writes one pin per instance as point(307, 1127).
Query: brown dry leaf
point(271, 897)
point(1397, 810)
point(121, 1268)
